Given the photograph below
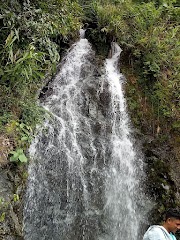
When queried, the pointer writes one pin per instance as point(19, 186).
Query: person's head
point(172, 220)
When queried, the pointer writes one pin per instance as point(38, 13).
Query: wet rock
point(6, 186)
point(161, 182)
point(15, 220)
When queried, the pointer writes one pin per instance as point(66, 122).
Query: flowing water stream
point(84, 177)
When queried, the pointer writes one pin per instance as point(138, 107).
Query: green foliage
point(16, 198)
point(25, 132)
point(30, 44)
point(20, 132)
point(2, 216)
point(18, 155)
point(148, 32)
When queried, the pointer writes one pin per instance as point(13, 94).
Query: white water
point(122, 179)
point(84, 177)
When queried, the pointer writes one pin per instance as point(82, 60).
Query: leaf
point(12, 152)
point(15, 155)
point(16, 198)
point(2, 217)
point(11, 55)
point(17, 34)
point(24, 138)
point(25, 131)
point(39, 74)
point(19, 151)
point(22, 158)
point(26, 73)
point(9, 39)
point(25, 56)
point(13, 159)
point(1, 72)
point(22, 125)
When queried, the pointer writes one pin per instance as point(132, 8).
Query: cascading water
point(83, 179)
point(122, 180)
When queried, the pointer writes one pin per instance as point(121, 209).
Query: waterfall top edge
point(115, 49)
point(82, 33)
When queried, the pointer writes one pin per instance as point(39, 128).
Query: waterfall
point(84, 176)
point(122, 181)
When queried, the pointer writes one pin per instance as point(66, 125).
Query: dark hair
point(172, 213)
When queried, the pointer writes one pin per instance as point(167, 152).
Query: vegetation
point(33, 34)
point(30, 45)
point(148, 32)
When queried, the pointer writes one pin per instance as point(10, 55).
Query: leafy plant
point(25, 132)
point(30, 45)
point(18, 155)
point(147, 32)
point(15, 197)
point(2, 217)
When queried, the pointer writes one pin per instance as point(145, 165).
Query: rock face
point(162, 168)
point(161, 175)
point(10, 190)
point(11, 183)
